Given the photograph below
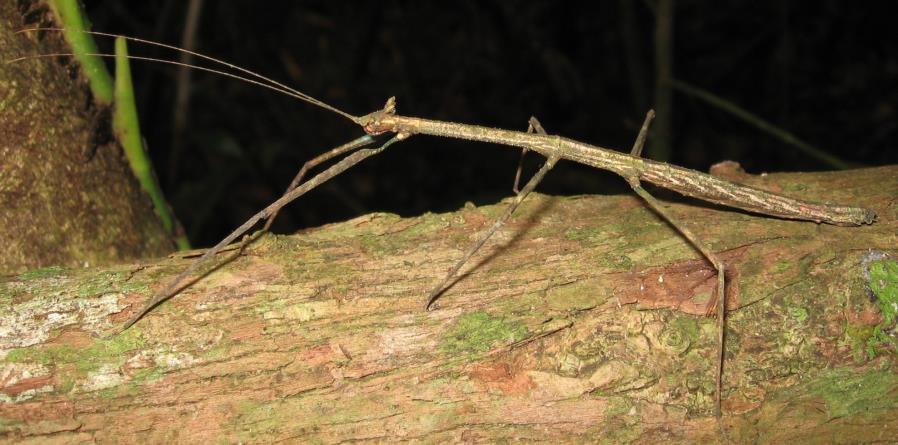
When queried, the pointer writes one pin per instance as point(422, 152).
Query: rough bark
point(67, 196)
point(580, 322)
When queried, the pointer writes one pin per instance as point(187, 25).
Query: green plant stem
point(127, 128)
point(83, 46)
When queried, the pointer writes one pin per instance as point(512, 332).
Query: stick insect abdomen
point(715, 190)
point(719, 191)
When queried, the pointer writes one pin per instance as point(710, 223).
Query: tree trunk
point(66, 192)
point(580, 321)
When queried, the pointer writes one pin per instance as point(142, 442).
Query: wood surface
point(580, 321)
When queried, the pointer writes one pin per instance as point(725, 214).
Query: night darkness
point(825, 70)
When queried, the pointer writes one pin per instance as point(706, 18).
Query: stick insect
point(630, 166)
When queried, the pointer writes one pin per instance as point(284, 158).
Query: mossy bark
point(67, 195)
point(581, 321)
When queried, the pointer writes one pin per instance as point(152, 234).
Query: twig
point(182, 86)
point(662, 134)
point(759, 123)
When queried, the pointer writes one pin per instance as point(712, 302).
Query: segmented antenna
point(263, 81)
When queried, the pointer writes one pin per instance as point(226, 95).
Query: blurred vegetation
point(824, 71)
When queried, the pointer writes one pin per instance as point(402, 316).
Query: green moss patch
point(479, 331)
point(883, 283)
point(91, 358)
point(577, 296)
point(43, 272)
point(849, 393)
point(107, 281)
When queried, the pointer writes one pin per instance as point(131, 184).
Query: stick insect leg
point(531, 184)
point(698, 244)
point(643, 134)
point(532, 125)
point(517, 174)
point(330, 172)
point(324, 157)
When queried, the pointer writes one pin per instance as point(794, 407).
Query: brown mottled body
point(682, 180)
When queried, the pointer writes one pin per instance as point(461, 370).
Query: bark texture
point(579, 322)
point(67, 196)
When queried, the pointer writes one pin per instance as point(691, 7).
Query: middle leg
point(531, 184)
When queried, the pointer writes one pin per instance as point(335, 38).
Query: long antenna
point(263, 82)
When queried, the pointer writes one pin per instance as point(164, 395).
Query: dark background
point(825, 70)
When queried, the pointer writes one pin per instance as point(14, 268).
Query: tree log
point(580, 321)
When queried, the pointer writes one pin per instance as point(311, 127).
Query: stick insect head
point(378, 122)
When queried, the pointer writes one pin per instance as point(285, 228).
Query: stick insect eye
point(372, 127)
